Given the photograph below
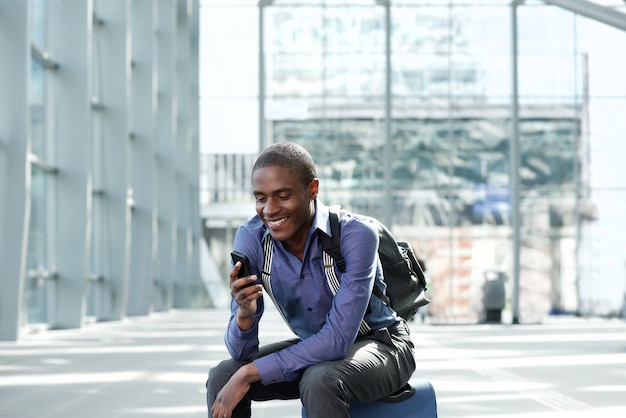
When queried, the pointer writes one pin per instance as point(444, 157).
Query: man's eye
point(284, 196)
point(260, 198)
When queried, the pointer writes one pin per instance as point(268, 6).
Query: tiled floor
point(156, 367)
point(140, 367)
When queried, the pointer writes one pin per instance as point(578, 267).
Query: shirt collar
point(321, 220)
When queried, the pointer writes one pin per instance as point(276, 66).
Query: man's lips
point(276, 222)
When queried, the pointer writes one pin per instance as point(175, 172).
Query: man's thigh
point(371, 370)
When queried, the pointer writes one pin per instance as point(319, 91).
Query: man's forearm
point(249, 373)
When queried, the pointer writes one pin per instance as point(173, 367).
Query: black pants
point(377, 365)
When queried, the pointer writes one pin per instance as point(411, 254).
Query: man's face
point(284, 204)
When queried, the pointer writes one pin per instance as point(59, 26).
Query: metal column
point(387, 149)
point(184, 157)
point(262, 139)
point(14, 164)
point(111, 154)
point(71, 40)
point(142, 158)
point(165, 134)
point(194, 175)
point(514, 163)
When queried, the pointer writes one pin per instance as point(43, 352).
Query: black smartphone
point(246, 269)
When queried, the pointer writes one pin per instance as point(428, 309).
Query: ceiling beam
point(593, 11)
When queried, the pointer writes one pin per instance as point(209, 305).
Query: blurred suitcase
point(417, 402)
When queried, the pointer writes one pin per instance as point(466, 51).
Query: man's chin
point(278, 235)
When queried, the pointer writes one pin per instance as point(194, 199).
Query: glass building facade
point(417, 112)
point(407, 107)
point(99, 167)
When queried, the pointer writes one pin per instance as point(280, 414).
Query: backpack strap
point(331, 245)
point(333, 283)
point(332, 256)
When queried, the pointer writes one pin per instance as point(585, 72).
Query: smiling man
point(335, 359)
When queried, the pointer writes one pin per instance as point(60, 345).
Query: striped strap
point(331, 278)
point(333, 283)
point(268, 250)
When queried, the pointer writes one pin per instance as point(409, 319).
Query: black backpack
point(403, 275)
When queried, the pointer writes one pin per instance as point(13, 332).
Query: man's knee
point(322, 378)
point(221, 373)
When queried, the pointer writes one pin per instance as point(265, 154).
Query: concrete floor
point(156, 366)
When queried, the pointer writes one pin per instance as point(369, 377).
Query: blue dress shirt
point(327, 325)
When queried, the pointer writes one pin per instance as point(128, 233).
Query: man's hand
point(233, 392)
point(245, 293)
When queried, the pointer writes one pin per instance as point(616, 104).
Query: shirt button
point(302, 276)
point(309, 309)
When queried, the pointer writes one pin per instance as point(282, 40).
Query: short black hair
point(292, 156)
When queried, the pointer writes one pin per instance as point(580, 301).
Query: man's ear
point(314, 188)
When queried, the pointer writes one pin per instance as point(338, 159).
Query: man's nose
point(270, 208)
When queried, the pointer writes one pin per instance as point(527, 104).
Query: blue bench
point(419, 403)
